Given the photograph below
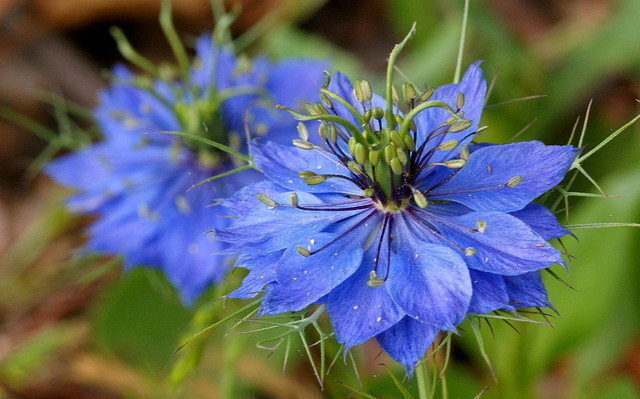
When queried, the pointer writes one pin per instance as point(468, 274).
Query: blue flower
point(398, 224)
point(137, 184)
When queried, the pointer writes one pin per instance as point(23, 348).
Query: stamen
point(350, 230)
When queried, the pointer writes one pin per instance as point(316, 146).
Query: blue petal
point(408, 341)
point(481, 183)
point(474, 88)
point(542, 221)
point(302, 280)
point(358, 311)
point(246, 199)
point(527, 290)
point(489, 292)
point(429, 281)
point(508, 246)
point(293, 83)
point(282, 165)
point(262, 271)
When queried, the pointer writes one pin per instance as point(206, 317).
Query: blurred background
point(76, 327)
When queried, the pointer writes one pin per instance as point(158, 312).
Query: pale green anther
point(333, 134)
point(323, 130)
point(450, 121)
point(402, 156)
point(420, 199)
point(389, 153)
point(396, 166)
point(352, 145)
point(378, 113)
point(268, 201)
point(481, 225)
point(303, 132)
point(384, 136)
point(413, 126)
point(303, 251)
point(409, 142)
point(362, 90)
point(426, 95)
point(460, 100)
point(369, 192)
point(455, 163)
point(448, 145)
point(326, 100)
point(374, 280)
point(315, 180)
point(464, 153)
point(144, 82)
point(303, 145)
point(183, 204)
point(354, 167)
point(394, 93)
point(514, 181)
point(460, 126)
point(470, 251)
point(369, 169)
point(367, 116)
point(360, 153)
point(409, 92)
point(316, 109)
point(293, 199)
point(396, 139)
point(399, 120)
point(374, 157)
point(482, 129)
point(305, 174)
point(311, 109)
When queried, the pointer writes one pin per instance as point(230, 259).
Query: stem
point(463, 33)
point(231, 352)
point(415, 111)
point(212, 143)
point(390, 68)
point(421, 377)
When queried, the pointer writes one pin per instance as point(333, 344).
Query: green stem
point(391, 122)
point(220, 175)
point(463, 33)
point(212, 143)
point(130, 54)
point(404, 129)
point(231, 352)
point(421, 377)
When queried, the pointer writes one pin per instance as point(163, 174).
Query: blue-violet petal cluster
point(137, 181)
point(398, 223)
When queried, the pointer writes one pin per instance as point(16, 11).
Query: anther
point(426, 95)
point(374, 280)
point(402, 156)
point(455, 163)
point(326, 100)
point(268, 201)
point(448, 145)
point(409, 142)
point(420, 199)
point(396, 139)
point(470, 251)
point(369, 192)
point(378, 113)
point(302, 144)
point(303, 251)
point(312, 178)
point(464, 153)
point(481, 225)
point(360, 153)
point(354, 167)
point(389, 153)
point(396, 166)
point(395, 95)
point(460, 126)
point(460, 101)
point(409, 92)
point(293, 199)
point(374, 157)
point(514, 181)
point(303, 132)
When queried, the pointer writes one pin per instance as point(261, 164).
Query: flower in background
point(398, 223)
point(138, 184)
